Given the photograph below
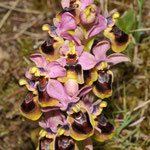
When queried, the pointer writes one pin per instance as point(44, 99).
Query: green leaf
point(127, 120)
point(130, 134)
point(128, 21)
point(129, 144)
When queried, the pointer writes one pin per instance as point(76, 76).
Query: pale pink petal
point(83, 91)
point(65, 3)
point(28, 74)
point(52, 120)
point(85, 3)
point(117, 58)
point(56, 90)
point(62, 61)
point(96, 29)
point(68, 22)
point(100, 50)
point(56, 23)
point(56, 118)
point(70, 37)
point(39, 60)
point(65, 47)
point(79, 34)
point(79, 49)
point(88, 100)
point(71, 87)
point(87, 61)
point(55, 70)
point(50, 109)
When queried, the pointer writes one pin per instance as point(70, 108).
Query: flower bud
point(71, 87)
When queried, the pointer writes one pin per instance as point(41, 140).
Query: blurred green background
point(21, 35)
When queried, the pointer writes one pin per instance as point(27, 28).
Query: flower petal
point(28, 74)
point(65, 48)
point(79, 34)
point(79, 73)
point(70, 37)
point(97, 107)
point(55, 70)
point(39, 60)
point(44, 99)
point(56, 90)
point(74, 72)
point(85, 3)
point(50, 109)
point(88, 20)
point(71, 87)
point(67, 18)
point(65, 3)
point(30, 84)
point(87, 61)
point(117, 58)
point(100, 50)
point(83, 91)
point(79, 49)
point(52, 121)
point(74, 11)
point(62, 61)
point(87, 100)
point(96, 29)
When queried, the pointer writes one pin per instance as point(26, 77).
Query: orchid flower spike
point(71, 80)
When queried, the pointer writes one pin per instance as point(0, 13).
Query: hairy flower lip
point(104, 129)
point(30, 107)
point(81, 125)
point(65, 143)
point(103, 86)
point(47, 47)
point(50, 48)
point(28, 100)
point(118, 38)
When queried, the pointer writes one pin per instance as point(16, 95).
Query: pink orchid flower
point(57, 91)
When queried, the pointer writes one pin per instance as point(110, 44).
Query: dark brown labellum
point(64, 143)
point(81, 124)
point(105, 126)
point(120, 37)
point(28, 105)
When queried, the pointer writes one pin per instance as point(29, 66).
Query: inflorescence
point(72, 76)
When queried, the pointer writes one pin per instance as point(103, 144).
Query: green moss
point(25, 46)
